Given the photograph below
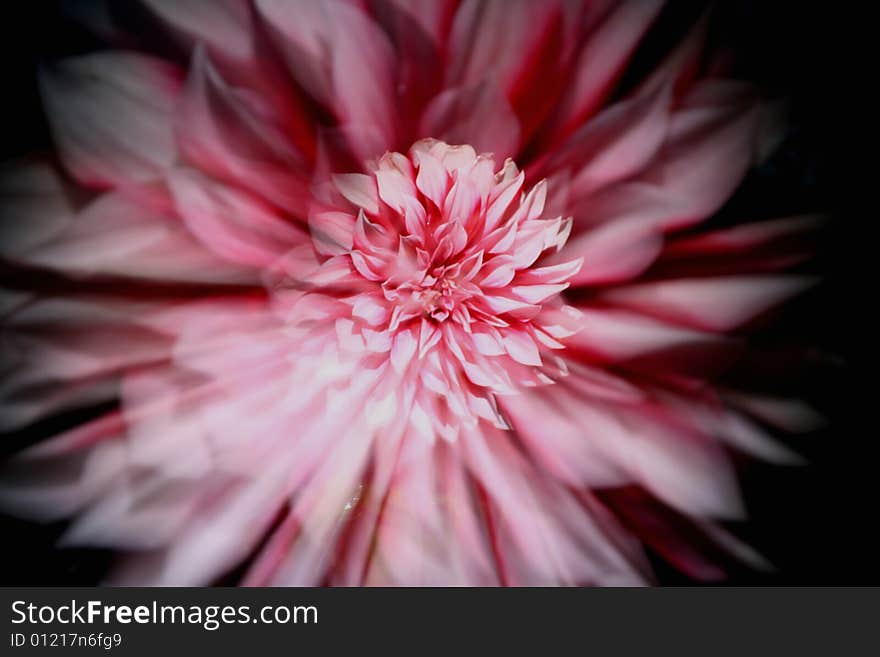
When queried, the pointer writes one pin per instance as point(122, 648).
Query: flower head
point(441, 246)
point(392, 293)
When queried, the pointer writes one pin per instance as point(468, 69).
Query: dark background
point(814, 523)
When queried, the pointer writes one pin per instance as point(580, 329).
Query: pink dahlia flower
point(391, 292)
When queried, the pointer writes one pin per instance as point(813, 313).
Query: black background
point(815, 523)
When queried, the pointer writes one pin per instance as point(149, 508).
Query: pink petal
point(332, 232)
point(231, 224)
point(602, 60)
point(521, 347)
point(432, 179)
point(537, 293)
point(613, 252)
point(111, 115)
point(343, 59)
point(622, 335)
point(713, 304)
point(221, 132)
point(551, 274)
point(616, 144)
point(115, 236)
point(359, 189)
point(479, 116)
point(702, 166)
point(223, 24)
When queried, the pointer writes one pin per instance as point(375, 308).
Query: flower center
point(438, 293)
point(445, 260)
